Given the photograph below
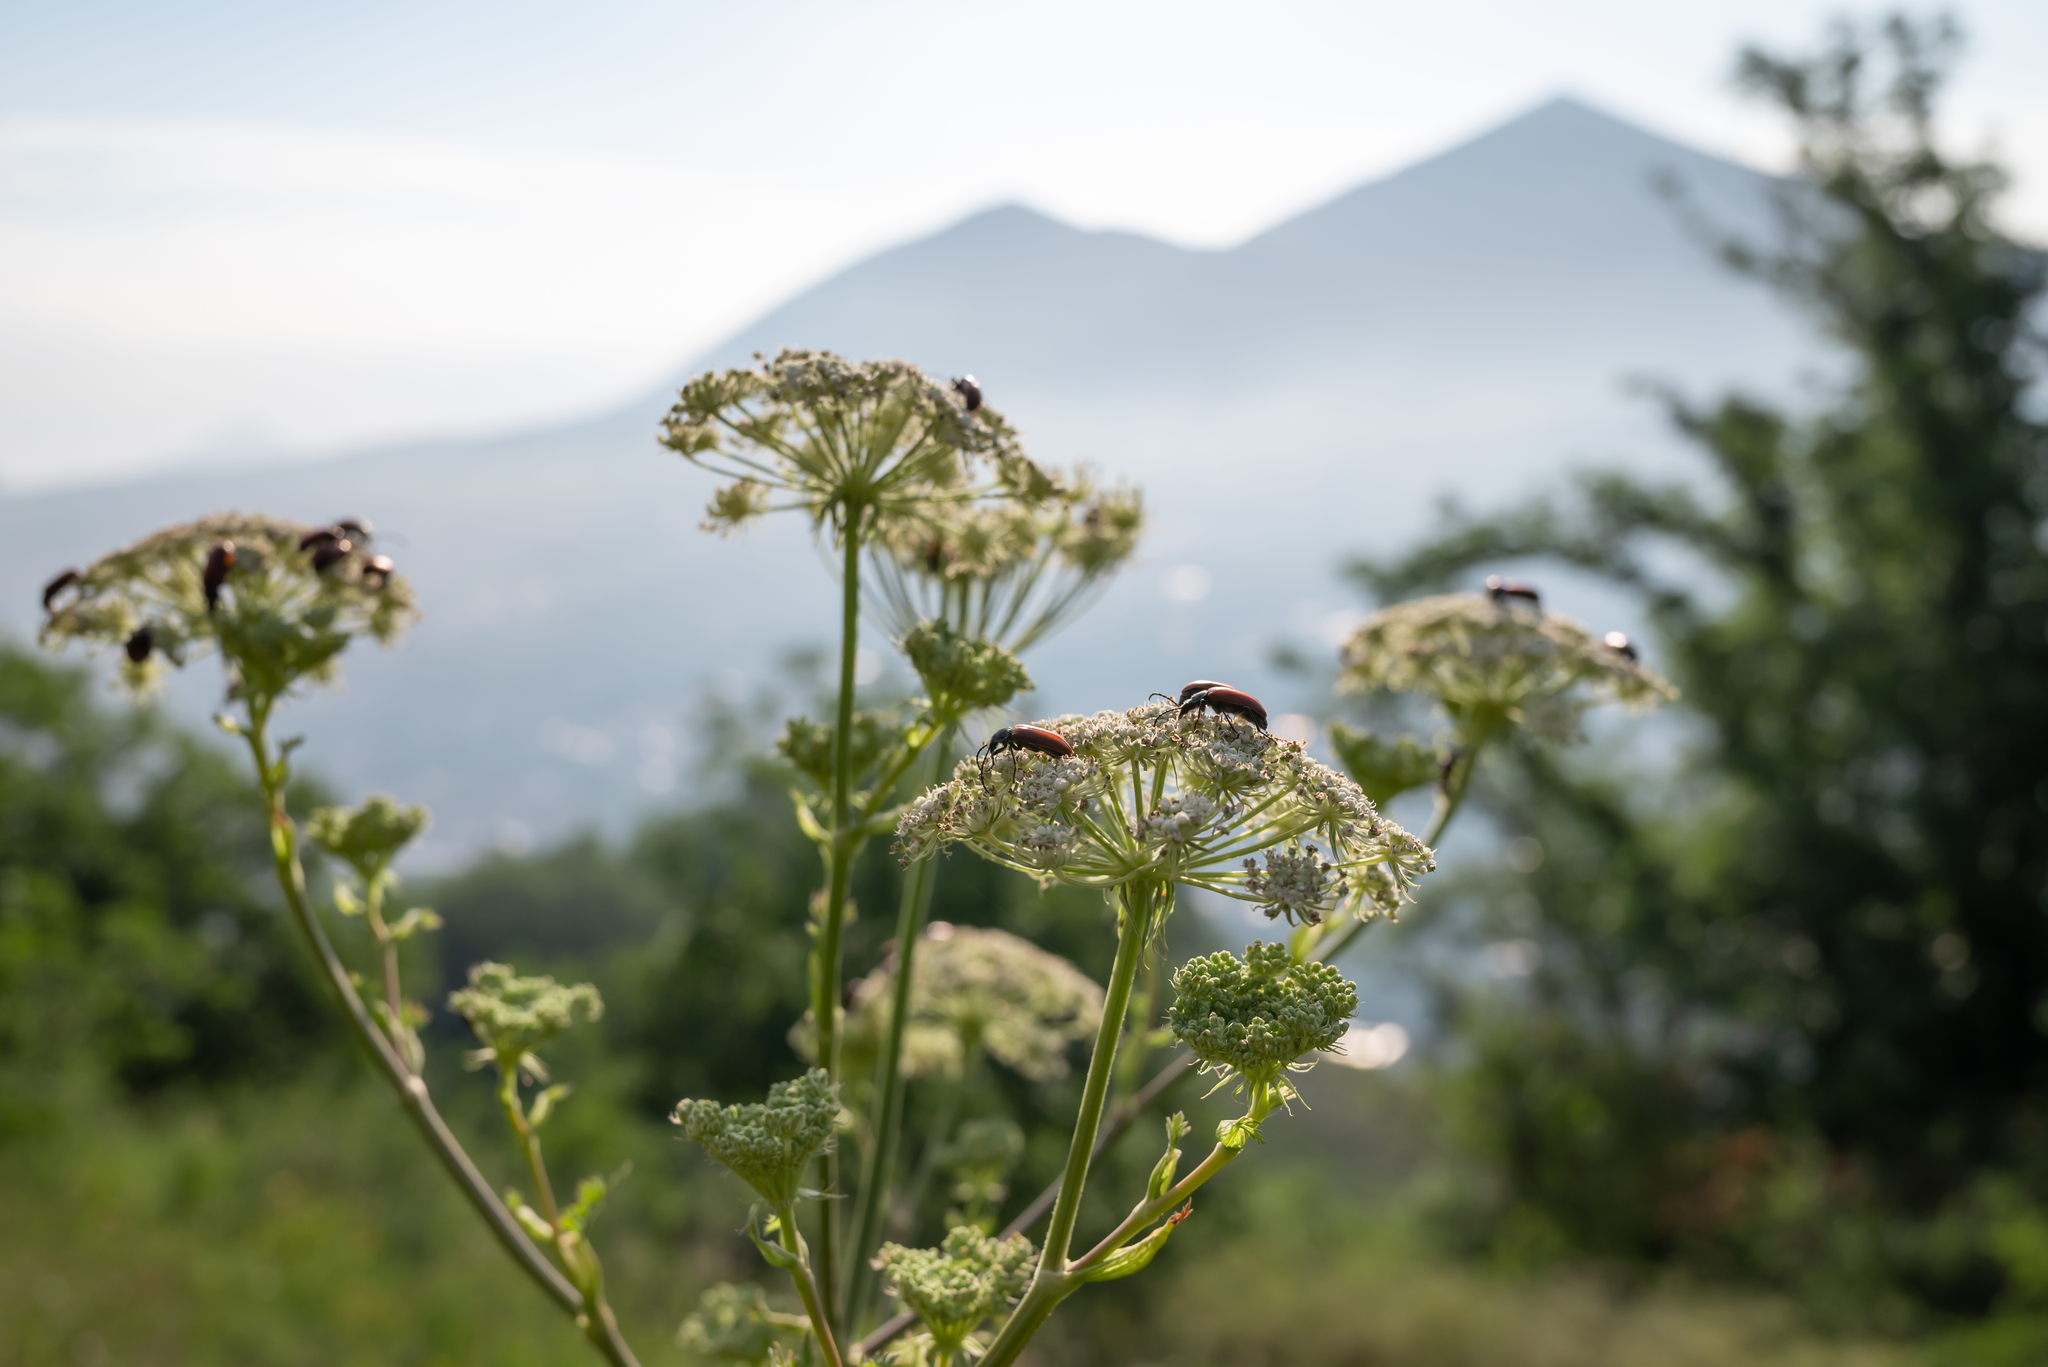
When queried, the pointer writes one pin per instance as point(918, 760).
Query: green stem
point(910, 919)
point(825, 998)
point(1139, 905)
point(806, 1286)
point(410, 1087)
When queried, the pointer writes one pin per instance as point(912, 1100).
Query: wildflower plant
point(973, 552)
point(870, 451)
point(1149, 800)
point(280, 603)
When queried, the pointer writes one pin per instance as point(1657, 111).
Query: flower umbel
point(1258, 1014)
point(1149, 794)
point(368, 836)
point(769, 1145)
point(278, 600)
point(734, 1324)
point(973, 989)
point(1490, 661)
point(954, 1287)
point(513, 1016)
point(843, 440)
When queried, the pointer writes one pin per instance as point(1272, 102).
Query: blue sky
point(295, 227)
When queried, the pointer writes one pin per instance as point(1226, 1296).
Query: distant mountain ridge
point(1462, 326)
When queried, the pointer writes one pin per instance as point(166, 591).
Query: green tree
point(1836, 926)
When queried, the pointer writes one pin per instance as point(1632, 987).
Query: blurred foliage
point(1791, 1016)
point(136, 928)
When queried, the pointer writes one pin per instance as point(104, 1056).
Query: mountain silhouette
point(1465, 327)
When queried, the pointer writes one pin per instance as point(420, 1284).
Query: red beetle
point(1021, 737)
point(1223, 700)
point(1499, 590)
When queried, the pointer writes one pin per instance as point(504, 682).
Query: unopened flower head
point(973, 988)
point(278, 600)
point(1258, 1014)
point(768, 1145)
point(845, 441)
point(962, 674)
point(1491, 661)
point(1151, 795)
point(954, 1287)
point(1008, 572)
point(513, 1016)
point(367, 836)
point(731, 1323)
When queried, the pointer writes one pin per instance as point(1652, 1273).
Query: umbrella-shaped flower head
point(279, 601)
point(1494, 660)
point(866, 446)
point(1154, 796)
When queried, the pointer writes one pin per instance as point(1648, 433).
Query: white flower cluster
point(1490, 661)
point(1150, 794)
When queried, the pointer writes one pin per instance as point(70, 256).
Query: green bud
point(733, 1324)
point(808, 745)
point(962, 674)
point(1163, 1173)
point(768, 1145)
point(1257, 1015)
point(514, 1016)
point(367, 836)
point(954, 1287)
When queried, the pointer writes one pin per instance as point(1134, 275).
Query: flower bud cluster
point(1257, 1014)
point(513, 1016)
point(278, 600)
point(1150, 794)
point(954, 1287)
point(367, 836)
point(961, 673)
point(768, 1145)
point(734, 1324)
point(1488, 660)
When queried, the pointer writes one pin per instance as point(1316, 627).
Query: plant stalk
point(1139, 904)
point(410, 1087)
point(910, 920)
point(825, 993)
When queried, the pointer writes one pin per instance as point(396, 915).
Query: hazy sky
point(238, 227)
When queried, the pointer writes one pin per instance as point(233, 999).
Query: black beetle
point(328, 554)
point(58, 585)
point(1499, 589)
point(140, 644)
point(219, 561)
point(969, 392)
point(381, 566)
point(1619, 643)
point(354, 528)
point(320, 537)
